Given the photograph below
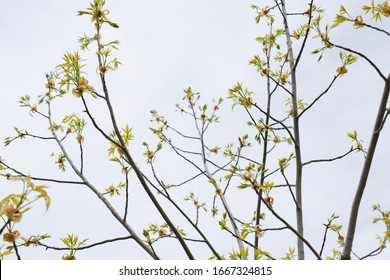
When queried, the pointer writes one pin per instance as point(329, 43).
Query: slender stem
point(297, 146)
point(81, 158)
point(374, 253)
point(127, 196)
point(4, 226)
point(42, 179)
point(324, 239)
point(377, 29)
point(16, 250)
point(321, 95)
point(365, 172)
point(306, 35)
point(290, 189)
point(292, 229)
point(330, 159)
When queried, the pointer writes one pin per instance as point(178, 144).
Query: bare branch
point(306, 35)
point(42, 179)
point(320, 96)
point(330, 159)
point(181, 134)
point(377, 29)
point(290, 189)
point(270, 208)
point(88, 246)
point(105, 135)
point(374, 253)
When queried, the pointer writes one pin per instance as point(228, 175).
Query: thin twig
point(96, 125)
point(291, 228)
point(42, 179)
point(183, 213)
point(363, 56)
point(36, 136)
point(127, 196)
point(181, 134)
point(306, 36)
point(4, 226)
point(320, 96)
point(374, 253)
point(377, 29)
point(81, 157)
point(330, 159)
point(384, 120)
point(16, 250)
point(324, 238)
point(290, 189)
point(88, 246)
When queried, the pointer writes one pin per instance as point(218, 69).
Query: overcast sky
point(167, 46)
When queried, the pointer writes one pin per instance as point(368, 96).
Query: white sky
point(167, 46)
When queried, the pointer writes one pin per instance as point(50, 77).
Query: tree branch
point(363, 56)
point(365, 172)
point(330, 159)
point(270, 208)
point(88, 246)
point(95, 191)
point(130, 158)
point(42, 179)
point(321, 95)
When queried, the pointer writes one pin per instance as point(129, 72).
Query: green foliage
point(354, 138)
point(346, 59)
point(60, 161)
point(156, 232)
point(289, 104)
point(72, 75)
point(21, 201)
point(378, 10)
point(14, 207)
point(239, 255)
point(150, 154)
point(384, 218)
point(75, 124)
point(73, 243)
point(198, 205)
point(285, 162)
point(240, 95)
point(290, 255)
point(241, 168)
point(98, 14)
point(115, 190)
point(19, 135)
point(115, 150)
